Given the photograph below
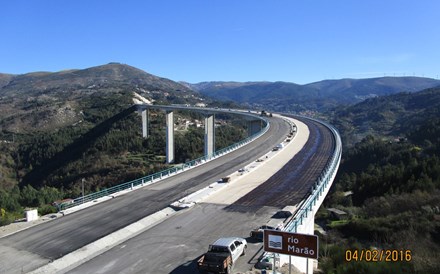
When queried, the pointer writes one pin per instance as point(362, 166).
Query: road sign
point(295, 244)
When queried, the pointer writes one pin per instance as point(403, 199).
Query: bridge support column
point(145, 123)
point(254, 127)
point(170, 137)
point(209, 136)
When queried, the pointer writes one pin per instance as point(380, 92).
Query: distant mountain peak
point(35, 101)
point(77, 78)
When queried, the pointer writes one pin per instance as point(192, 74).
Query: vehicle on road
point(222, 255)
point(258, 232)
point(273, 224)
point(286, 212)
point(242, 171)
point(278, 147)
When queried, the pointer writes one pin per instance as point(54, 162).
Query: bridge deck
point(52, 240)
point(175, 245)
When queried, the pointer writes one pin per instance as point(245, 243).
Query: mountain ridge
point(318, 96)
point(49, 100)
point(98, 75)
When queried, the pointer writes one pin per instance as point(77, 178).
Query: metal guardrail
point(149, 179)
point(321, 184)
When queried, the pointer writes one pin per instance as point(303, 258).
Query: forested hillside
point(393, 116)
point(388, 187)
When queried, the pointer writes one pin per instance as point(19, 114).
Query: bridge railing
point(321, 184)
point(149, 179)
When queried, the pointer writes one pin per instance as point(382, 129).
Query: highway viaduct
point(40, 245)
point(255, 124)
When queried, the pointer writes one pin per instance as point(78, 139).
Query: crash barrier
point(149, 179)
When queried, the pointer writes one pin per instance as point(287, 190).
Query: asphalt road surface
point(174, 245)
point(293, 182)
point(29, 249)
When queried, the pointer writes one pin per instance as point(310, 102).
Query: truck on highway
point(222, 255)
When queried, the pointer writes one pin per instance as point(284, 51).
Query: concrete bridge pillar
point(254, 126)
point(145, 122)
point(209, 135)
point(170, 137)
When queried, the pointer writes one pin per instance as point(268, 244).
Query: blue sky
point(238, 40)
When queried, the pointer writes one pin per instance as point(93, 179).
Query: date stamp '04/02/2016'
point(378, 255)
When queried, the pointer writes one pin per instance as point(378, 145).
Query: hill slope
point(44, 100)
point(323, 95)
point(389, 115)
point(5, 79)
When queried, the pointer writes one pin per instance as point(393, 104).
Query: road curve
point(36, 246)
point(174, 245)
point(293, 182)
